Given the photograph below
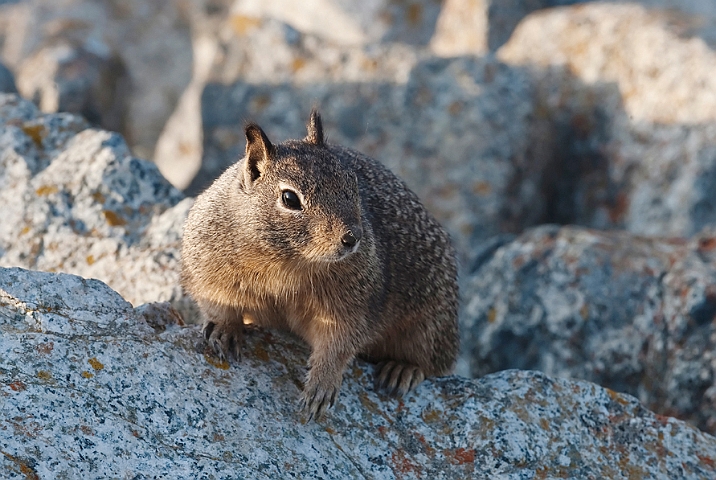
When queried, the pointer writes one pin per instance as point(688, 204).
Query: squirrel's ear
point(258, 152)
point(315, 128)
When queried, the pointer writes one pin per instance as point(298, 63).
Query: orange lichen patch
point(86, 430)
point(17, 386)
point(261, 102)
point(243, 24)
point(431, 416)
point(482, 188)
point(463, 456)
point(96, 364)
point(98, 197)
point(617, 397)
point(217, 437)
point(215, 362)
point(491, 315)
point(90, 259)
point(45, 190)
point(45, 348)
point(382, 430)
point(455, 107)
point(401, 464)
point(35, 132)
point(707, 243)
point(113, 219)
point(619, 208)
point(414, 14)
point(369, 64)
point(297, 64)
point(330, 431)
point(44, 375)
point(708, 461)
point(24, 230)
point(261, 353)
point(368, 403)
point(544, 423)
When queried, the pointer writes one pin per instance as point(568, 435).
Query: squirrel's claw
point(398, 378)
point(316, 400)
point(225, 340)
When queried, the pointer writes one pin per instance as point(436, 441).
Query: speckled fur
point(391, 298)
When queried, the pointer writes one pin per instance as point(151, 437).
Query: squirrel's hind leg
point(398, 378)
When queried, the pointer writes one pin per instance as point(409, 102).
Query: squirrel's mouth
point(334, 256)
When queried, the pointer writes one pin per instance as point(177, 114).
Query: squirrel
point(324, 241)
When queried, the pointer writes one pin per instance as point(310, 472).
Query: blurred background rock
point(502, 115)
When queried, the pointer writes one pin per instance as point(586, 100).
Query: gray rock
point(694, 18)
point(66, 77)
point(152, 39)
point(92, 390)
point(634, 314)
point(348, 23)
point(76, 200)
point(7, 80)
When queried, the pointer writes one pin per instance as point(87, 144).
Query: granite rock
point(635, 314)
point(92, 389)
point(75, 200)
point(151, 39)
point(348, 23)
point(66, 77)
point(631, 143)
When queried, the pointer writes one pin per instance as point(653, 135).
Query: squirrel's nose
point(352, 237)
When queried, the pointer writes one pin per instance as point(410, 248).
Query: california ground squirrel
point(326, 242)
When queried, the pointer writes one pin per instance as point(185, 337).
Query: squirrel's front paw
point(224, 338)
point(317, 397)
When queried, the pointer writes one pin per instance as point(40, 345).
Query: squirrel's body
point(328, 243)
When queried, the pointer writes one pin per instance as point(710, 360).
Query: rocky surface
point(151, 39)
point(94, 387)
point(625, 110)
point(635, 314)
point(75, 200)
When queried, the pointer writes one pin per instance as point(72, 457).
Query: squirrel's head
point(304, 200)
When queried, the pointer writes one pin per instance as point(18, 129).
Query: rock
point(7, 80)
point(64, 77)
point(690, 19)
point(407, 21)
point(77, 201)
point(91, 389)
point(635, 314)
point(630, 144)
point(461, 29)
point(152, 39)
point(662, 78)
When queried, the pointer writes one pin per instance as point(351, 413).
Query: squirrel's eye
point(291, 200)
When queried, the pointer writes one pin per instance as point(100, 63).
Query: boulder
point(151, 39)
point(65, 77)
point(346, 23)
point(95, 388)
point(75, 200)
point(634, 314)
point(626, 113)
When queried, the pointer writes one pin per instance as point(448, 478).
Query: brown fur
point(360, 268)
